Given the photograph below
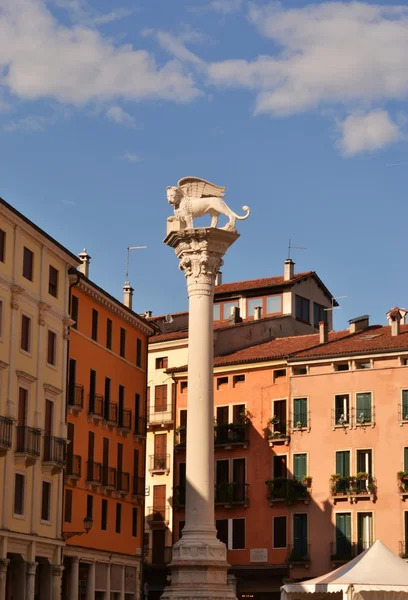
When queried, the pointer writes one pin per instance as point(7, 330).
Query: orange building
point(103, 518)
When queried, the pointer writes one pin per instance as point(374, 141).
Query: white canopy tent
point(375, 574)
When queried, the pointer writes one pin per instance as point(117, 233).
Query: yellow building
point(34, 325)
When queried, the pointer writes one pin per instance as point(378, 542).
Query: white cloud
point(120, 116)
point(115, 15)
point(31, 124)
point(175, 46)
point(43, 58)
point(367, 132)
point(132, 158)
point(225, 7)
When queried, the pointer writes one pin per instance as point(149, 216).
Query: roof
point(74, 258)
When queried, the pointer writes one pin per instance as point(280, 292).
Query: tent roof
point(375, 568)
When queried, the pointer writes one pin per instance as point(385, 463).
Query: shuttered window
point(89, 506)
point(51, 348)
point(94, 324)
point(118, 517)
point(138, 352)
point(53, 282)
point(160, 398)
point(46, 501)
point(28, 264)
point(300, 412)
point(405, 459)
point(104, 515)
point(300, 542)
point(343, 534)
point(68, 506)
point(134, 522)
point(343, 463)
point(405, 405)
point(279, 532)
point(122, 342)
point(25, 340)
point(363, 408)
point(299, 466)
point(19, 488)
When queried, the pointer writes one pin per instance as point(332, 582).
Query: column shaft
point(122, 583)
point(74, 579)
point(90, 586)
point(108, 582)
point(3, 577)
point(30, 580)
point(56, 581)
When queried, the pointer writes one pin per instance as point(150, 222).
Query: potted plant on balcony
point(307, 481)
point(402, 475)
point(372, 488)
point(246, 416)
point(352, 484)
point(362, 476)
point(274, 421)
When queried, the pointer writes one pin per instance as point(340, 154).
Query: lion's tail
point(248, 212)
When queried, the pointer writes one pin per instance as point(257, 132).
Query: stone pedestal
point(199, 566)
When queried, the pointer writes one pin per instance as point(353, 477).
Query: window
point(104, 515)
point(227, 309)
point(364, 530)
point(134, 522)
point(269, 305)
point(122, 342)
point(273, 305)
point(319, 314)
point(138, 424)
point(364, 412)
point(94, 325)
point(342, 367)
point(53, 282)
point(279, 374)
point(118, 517)
point(343, 463)
point(364, 462)
point(252, 304)
point(300, 540)
point(25, 342)
point(216, 312)
point(1, 318)
point(279, 532)
point(299, 466)
point(222, 382)
point(162, 362)
point(299, 370)
point(343, 548)
point(74, 310)
point(109, 334)
point(180, 527)
point(231, 532)
point(51, 348)
point(184, 387)
point(139, 352)
point(28, 264)
point(404, 361)
point(302, 309)
point(68, 506)
point(406, 459)
point(46, 501)
point(2, 246)
point(404, 402)
point(364, 364)
point(19, 488)
point(107, 396)
point(222, 530)
point(121, 406)
point(341, 409)
point(280, 412)
point(238, 380)
point(160, 398)
point(405, 543)
point(300, 413)
point(89, 506)
point(222, 311)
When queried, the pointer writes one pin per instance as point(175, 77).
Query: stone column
point(199, 567)
point(31, 568)
point(3, 577)
point(90, 584)
point(108, 582)
point(122, 582)
point(56, 581)
point(74, 578)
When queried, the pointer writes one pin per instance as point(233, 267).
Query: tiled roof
point(252, 284)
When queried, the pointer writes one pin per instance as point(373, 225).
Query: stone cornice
point(26, 376)
point(3, 365)
point(52, 389)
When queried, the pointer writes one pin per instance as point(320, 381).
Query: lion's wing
point(196, 187)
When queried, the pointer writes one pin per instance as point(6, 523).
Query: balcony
point(299, 554)
point(111, 417)
point(402, 414)
point(6, 434)
point(125, 420)
point(181, 438)
point(109, 478)
point(55, 452)
point(299, 422)
point(75, 399)
point(286, 490)
point(232, 434)
point(279, 432)
point(161, 418)
point(353, 488)
point(342, 551)
point(28, 442)
point(402, 478)
point(231, 494)
point(140, 427)
point(179, 496)
point(96, 408)
point(138, 488)
point(73, 467)
point(341, 419)
point(159, 463)
point(161, 558)
point(364, 417)
point(157, 516)
point(93, 472)
point(123, 482)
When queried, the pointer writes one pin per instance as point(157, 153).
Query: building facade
point(34, 324)
point(104, 476)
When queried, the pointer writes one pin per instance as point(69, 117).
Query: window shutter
point(300, 535)
point(238, 534)
point(222, 530)
point(299, 466)
point(68, 506)
point(364, 405)
point(406, 462)
point(405, 404)
point(343, 463)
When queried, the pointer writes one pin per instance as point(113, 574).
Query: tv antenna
point(129, 248)
point(290, 247)
point(332, 301)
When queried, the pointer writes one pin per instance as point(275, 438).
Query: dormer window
point(302, 309)
point(222, 310)
point(270, 305)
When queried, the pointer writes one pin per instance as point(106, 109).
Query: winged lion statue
point(194, 197)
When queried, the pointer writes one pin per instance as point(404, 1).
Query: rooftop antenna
point(332, 302)
point(129, 248)
point(294, 248)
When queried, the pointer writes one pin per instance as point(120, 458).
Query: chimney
point(396, 317)
point(128, 295)
point(257, 313)
point(323, 332)
point(218, 278)
point(359, 323)
point(85, 260)
point(289, 270)
point(235, 315)
point(147, 314)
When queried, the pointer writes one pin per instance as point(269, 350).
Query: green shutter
point(405, 405)
point(343, 463)
point(343, 534)
point(363, 408)
point(405, 459)
point(406, 532)
point(300, 412)
point(300, 549)
point(299, 466)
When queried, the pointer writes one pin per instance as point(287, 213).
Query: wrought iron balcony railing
point(289, 490)
point(140, 426)
point(6, 432)
point(28, 441)
point(96, 405)
point(159, 462)
point(76, 396)
point(157, 515)
point(123, 481)
point(138, 488)
point(73, 466)
point(160, 415)
point(231, 493)
point(231, 434)
point(112, 414)
point(299, 553)
point(342, 550)
point(55, 450)
point(125, 419)
point(94, 472)
point(362, 484)
point(109, 477)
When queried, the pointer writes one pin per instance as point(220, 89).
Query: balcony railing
point(288, 490)
point(125, 419)
point(363, 544)
point(123, 481)
point(364, 416)
point(138, 488)
point(159, 462)
point(299, 421)
point(231, 434)
point(181, 437)
point(403, 413)
point(6, 432)
point(299, 553)
point(140, 426)
point(96, 405)
point(76, 396)
point(74, 466)
point(341, 418)
point(342, 550)
point(161, 560)
point(94, 472)
point(353, 486)
point(160, 417)
point(231, 493)
point(403, 549)
point(112, 414)
point(55, 450)
point(28, 441)
point(157, 515)
point(109, 477)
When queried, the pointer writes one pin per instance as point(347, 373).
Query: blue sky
point(299, 108)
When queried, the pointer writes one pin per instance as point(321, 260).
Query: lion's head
point(173, 195)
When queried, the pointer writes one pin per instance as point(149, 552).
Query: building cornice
point(3, 365)
point(26, 376)
point(52, 389)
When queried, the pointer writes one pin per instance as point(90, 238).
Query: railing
point(341, 418)
point(157, 515)
point(289, 490)
point(231, 434)
point(299, 421)
point(353, 485)
point(164, 559)
point(231, 493)
point(138, 486)
point(28, 441)
point(6, 431)
point(403, 549)
point(159, 417)
point(123, 482)
point(74, 466)
point(109, 477)
point(159, 462)
point(364, 416)
point(76, 396)
point(363, 545)
point(181, 438)
point(342, 550)
point(112, 416)
point(299, 552)
point(55, 450)
point(402, 413)
point(402, 477)
point(125, 419)
point(96, 405)
point(94, 472)
point(140, 426)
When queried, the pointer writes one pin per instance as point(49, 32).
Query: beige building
point(34, 324)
